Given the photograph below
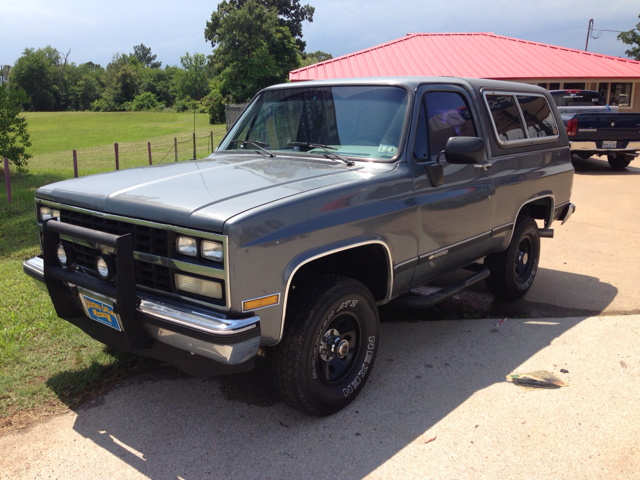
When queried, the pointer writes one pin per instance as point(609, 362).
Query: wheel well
point(368, 264)
point(540, 209)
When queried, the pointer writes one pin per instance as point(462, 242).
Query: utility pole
point(586, 45)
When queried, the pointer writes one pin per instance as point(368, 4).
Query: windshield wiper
point(327, 149)
point(257, 144)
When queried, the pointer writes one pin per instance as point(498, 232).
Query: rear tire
point(328, 348)
point(618, 161)
point(514, 270)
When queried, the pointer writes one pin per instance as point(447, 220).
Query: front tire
point(514, 270)
point(328, 347)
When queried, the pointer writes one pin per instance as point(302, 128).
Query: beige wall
point(635, 107)
point(593, 85)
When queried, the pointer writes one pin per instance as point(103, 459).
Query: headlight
point(187, 246)
point(46, 213)
point(212, 251)
point(198, 286)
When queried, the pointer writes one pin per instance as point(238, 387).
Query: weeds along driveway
point(438, 407)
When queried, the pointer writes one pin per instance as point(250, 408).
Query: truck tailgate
point(595, 127)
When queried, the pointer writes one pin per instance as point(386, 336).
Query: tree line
point(255, 44)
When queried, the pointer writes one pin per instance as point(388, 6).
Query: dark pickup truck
point(324, 201)
point(598, 129)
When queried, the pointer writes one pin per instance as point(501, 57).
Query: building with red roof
point(486, 55)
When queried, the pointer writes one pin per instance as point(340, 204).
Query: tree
point(121, 82)
point(191, 82)
point(632, 37)
point(37, 72)
point(14, 137)
point(84, 85)
point(252, 52)
point(143, 55)
point(160, 83)
point(290, 15)
point(315, 57)
point(5, 70)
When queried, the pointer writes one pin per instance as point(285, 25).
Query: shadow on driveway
point(599, 166)
point(166, 425)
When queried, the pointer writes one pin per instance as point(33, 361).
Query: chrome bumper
point(228, 341)
point(570, 210)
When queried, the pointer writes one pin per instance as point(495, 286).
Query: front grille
point(155, 241)
point(154, 276)
point(147, 275)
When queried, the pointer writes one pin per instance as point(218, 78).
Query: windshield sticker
point(387, 149)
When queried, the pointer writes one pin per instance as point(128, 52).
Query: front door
point(456, 216)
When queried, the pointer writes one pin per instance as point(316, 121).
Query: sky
point(95, 30)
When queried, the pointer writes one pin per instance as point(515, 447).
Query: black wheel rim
point(333, 367)
point(524, 261)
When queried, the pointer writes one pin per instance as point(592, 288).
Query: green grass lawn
point(47, 364)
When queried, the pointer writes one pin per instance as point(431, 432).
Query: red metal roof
point(476, 55)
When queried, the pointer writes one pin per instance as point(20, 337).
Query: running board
point(410, 301)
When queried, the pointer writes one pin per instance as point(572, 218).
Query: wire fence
point(178, 149)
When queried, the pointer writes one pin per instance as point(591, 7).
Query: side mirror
point(464, 150)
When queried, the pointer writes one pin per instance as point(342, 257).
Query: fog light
point(187, 246)
point(106, 267)
point(212, 251)
point(198, 286)
point(66, 255)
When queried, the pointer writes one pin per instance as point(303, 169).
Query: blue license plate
point(101, 312)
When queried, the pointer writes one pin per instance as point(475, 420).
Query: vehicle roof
point(414, 82)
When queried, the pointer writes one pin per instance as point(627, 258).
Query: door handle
point(484, 166)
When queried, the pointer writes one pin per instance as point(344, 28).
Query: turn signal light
point(260, 302)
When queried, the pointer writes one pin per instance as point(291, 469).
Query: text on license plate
point(101, 312)
point(610, 144)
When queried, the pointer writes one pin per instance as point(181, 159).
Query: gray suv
point(323, 201)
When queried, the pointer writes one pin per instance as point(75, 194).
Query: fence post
point(115, 145)
point(211, 135)
point(7, 178)
point(175, 147)
point(194, 145)
point(149, 148)
point(75, 164)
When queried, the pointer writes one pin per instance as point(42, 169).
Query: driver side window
point(442, 115)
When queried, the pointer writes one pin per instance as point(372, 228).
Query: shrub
point(145, 101)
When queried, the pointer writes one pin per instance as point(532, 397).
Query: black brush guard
point(123, 290)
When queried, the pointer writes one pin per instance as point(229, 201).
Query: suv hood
point(203, 194)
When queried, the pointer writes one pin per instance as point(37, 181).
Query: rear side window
point(521, 118)
point(442, 115)
point(506, 117)
point(538, 116)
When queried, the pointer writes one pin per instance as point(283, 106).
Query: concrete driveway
point(438, 405)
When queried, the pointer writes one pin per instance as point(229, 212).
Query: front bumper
point(151, 326)
point(596, 148)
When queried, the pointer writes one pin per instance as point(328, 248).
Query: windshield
point(577, 99)
point(361, 121)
